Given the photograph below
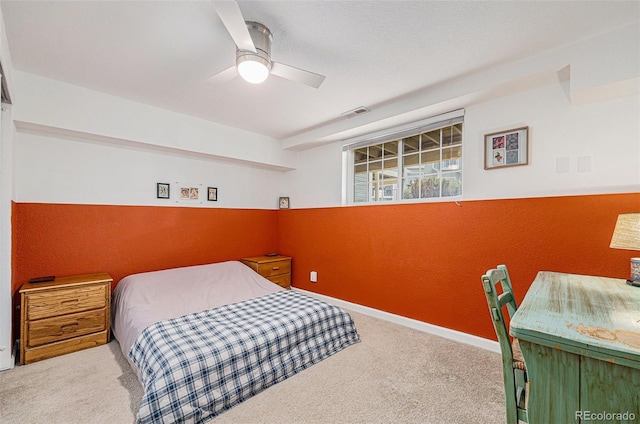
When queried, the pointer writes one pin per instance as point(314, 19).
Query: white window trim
point(393, 133)
point(390, 134)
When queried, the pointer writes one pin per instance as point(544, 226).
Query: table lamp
point(626, 235)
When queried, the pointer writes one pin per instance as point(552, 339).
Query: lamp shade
point(626, 234)
point(253, 71)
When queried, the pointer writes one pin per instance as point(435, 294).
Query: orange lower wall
point(62, 239)
point(424, 260)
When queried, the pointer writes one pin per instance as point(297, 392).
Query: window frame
point(398, 134)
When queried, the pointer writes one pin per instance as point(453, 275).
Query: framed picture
point(506, 148)
point(188, 192)
point(212, 194)
point(284, 203)
point(163, 190)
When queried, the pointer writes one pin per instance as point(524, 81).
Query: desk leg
point(554, 384)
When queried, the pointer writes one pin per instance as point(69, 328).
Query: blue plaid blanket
point(197, 366)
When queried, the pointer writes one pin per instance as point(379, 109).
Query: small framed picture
point(212, 194)
point(163, 190)
point(188, 193)
point(506, 148)
point(284, 203)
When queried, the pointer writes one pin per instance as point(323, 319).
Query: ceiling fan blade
point(231, 17)
point(297, 75)
point(224, 76)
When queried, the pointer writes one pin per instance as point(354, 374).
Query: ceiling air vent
point(357, 111)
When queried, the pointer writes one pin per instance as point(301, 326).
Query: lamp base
point(634, 283)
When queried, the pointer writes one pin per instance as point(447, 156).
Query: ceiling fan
point(253, 51)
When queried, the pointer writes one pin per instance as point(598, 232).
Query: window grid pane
point(390, 149)
point(375, 152)
point(431, 140)
point(427, 165)
point(451, 184)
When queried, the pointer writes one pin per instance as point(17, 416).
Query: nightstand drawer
point(60, 348)
point(65, 327)
point(283, 281)
point(64, 315)
point(64, 301)
point(274, 268)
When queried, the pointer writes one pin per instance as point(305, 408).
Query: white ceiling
point(372, 52)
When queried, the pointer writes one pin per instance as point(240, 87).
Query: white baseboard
point(447, 333)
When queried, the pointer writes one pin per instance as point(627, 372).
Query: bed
point(202, 339)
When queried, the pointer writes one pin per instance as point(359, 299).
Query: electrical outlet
point(313, 276)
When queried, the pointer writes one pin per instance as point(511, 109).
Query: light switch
point(584, 164)
point(562, 165)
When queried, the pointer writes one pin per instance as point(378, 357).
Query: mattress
point(202, 339)
point(140, 300)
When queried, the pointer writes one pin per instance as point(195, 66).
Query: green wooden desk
point(580, 337)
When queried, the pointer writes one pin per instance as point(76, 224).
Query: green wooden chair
point(513, 367)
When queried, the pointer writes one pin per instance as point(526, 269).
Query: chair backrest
point(499, 293)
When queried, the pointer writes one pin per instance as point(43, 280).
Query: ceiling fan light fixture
point(253, 69)
point(253, 50)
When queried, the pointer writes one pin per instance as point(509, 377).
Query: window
point(422, 163)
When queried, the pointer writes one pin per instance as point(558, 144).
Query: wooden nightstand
point(64, 315)
point(274, 268)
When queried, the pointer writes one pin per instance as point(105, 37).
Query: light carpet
point(394, 375)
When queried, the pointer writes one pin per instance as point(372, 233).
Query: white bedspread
point(140, 300)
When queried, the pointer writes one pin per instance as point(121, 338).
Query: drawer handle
point(275, 268)
point(69, 302)
point(69, 328)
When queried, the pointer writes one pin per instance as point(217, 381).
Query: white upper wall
point(599, 68)
point(605, 134)
point(80, 146)
point(581, 103)
point(54, 106)
point(75, 145)
point(54, 169)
